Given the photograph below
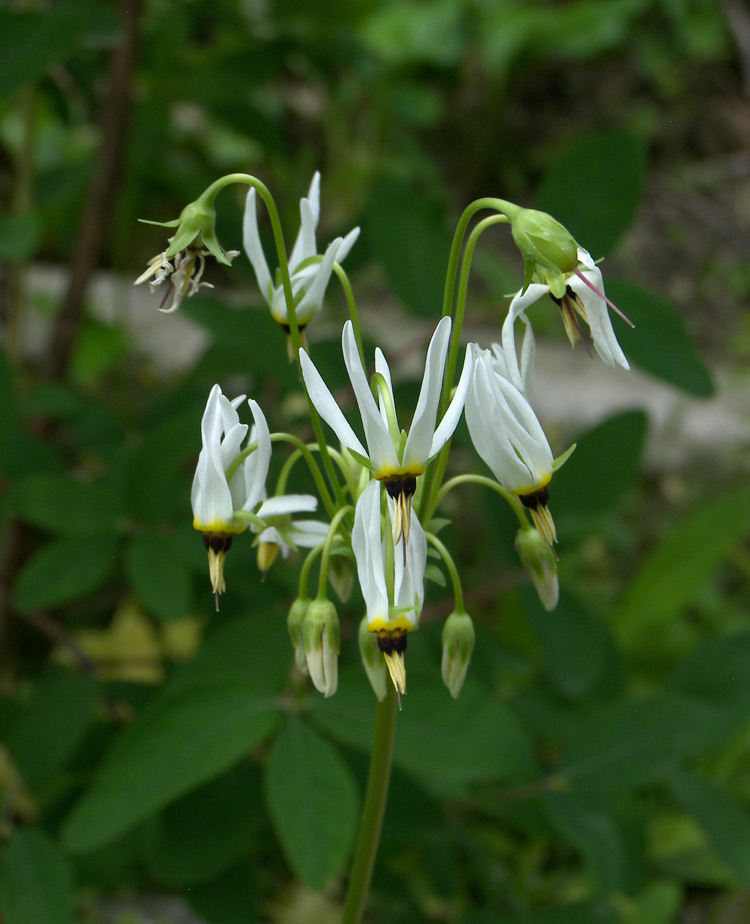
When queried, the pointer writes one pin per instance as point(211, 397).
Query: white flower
point(584, 296)
point(216, 494)
point(283, 533)
point(390, 618)
point(184, 271)
point(394, 458)
point(509, 438)
point(309, 277)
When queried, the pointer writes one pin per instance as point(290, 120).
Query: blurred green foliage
point(596, 765)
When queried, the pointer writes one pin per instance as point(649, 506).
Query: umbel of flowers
point(381, 484)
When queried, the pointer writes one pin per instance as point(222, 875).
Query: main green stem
point(374, 809)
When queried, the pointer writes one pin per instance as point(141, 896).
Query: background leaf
point(659, 343)
point(179, 742)
point(607, 167)
point(159, 576)
point(36, 881)
point(313, 801)
point(406, 232)
point(64, 570)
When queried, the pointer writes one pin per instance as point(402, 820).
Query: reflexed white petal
point(422, 428)
point(304, 246)
point(347, 244)
point(307, 534)
point(272, 536)
point(256, 464)
point(597, 314)
point(367, 546)
point(409, 580)
point(287, 503)
point(381, 451)
point(313, 196)
point(326, 406)
point(382, 367)
point(253, 247)
point(312, 300)
point(490, 423)
point(521, 374)
point(450, 420)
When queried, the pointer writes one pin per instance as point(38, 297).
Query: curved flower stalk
point(309, 272)
point(395, 458)
point(509, 438)
point(583, 297)
point(392, 586)
point(216, 494)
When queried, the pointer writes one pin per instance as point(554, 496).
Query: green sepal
point(362, 460)
point(562, 459)
point(160, 224)
point(253, 519)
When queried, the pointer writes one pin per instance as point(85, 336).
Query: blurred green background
point(162, 763)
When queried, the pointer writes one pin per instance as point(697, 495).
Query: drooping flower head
point(582, 297)
point(283, 532)
point(309, 273)
point(509, 438)
point(392, 585)
point(222, 485)
point(395, 458)
point(183, 262)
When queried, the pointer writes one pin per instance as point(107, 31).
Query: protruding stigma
point(393, 646)
point(536, 504)
point(218, 545)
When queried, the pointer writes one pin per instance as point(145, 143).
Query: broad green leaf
point(30, 42)
point(52, 725)
point(679, 567)
point(159, 576)
point(659, 903)
point(577, 648)
point(409, 32)
point(66, 505)
point(725, 820)
point(313, 801)
point(407, 235)
point(717, 674)
point(445, 742)
point(598, 475)
point(659, 343)
point(595, 187)
point(631, 743)
point(36, 881)
point(64, 570)
point(594, 833)
point(182, 740)
point(201, 835)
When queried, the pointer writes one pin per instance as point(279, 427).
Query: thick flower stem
point(376, 796)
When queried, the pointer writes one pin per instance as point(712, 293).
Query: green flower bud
point(341, 576)
point(458, 645)
point(373, 661)
point(320, 637)
point(538, 558)
point(295, 623)
point(547, 244)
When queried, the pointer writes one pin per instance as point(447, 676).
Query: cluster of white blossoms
point(381, 490)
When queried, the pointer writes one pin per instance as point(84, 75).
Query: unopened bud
point(373, 661)
point(295, 623)
point(341, 576)
point(544, 242)
point(458, 645)
point(320, 635)
point(538, 558)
